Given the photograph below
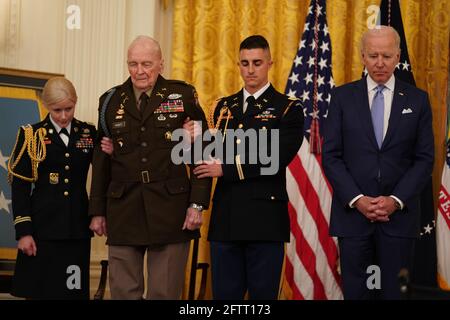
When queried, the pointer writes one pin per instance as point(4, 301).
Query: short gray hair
point(377, 31)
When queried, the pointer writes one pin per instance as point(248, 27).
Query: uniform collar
point(257, 94)
point(390, 84)
point(58, 128)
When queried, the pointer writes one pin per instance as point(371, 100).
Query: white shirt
point(256, 95)
point(63, 137)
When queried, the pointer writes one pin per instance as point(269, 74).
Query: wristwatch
point(197, 207)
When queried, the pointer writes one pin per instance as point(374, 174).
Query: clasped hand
point(376, 209)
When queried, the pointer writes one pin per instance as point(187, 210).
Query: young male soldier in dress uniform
point(140, 199)
point(250, 221)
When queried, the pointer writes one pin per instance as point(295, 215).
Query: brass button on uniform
point(272, 198)
point(144, 160)
point(66, 193)
point(238, 141)
point(142, 129)
point(143, 144)
point(66, 180)
point(264, 128)
point(240, 126)
point(67, 155)
point(67, 167)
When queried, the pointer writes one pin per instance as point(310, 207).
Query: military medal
point(173, 115)
point(161, 118)
point(174, 96)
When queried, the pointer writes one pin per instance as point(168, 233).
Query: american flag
point(311, 255)
point(443, 220)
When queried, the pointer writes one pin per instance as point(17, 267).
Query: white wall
point(34, 36)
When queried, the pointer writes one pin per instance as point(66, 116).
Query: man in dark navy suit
point(378, 154)
point(250, 221)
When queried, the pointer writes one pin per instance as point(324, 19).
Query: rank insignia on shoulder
point(53, 178)
point(292, 98)
point(174, 96)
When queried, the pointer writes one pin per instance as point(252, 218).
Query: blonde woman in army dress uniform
point(48, 170)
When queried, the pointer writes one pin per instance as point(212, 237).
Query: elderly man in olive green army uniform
point(141, 199)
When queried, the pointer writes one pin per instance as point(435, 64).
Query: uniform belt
point(144, 176)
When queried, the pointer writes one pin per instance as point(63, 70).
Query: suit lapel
point(74, 133)
point(159, 94)
point(363, 109)
point(398, 101)
point(128, 100)
point(235, 105)
point(53, 133)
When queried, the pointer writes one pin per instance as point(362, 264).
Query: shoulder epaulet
point(113, 89)
point(178, 82)
point(293, 98)
point(26, 126)
point(79, 122)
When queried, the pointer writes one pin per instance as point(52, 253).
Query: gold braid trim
point(36, 149)
point(288, 107)
point(211, 114)
point(222, 112)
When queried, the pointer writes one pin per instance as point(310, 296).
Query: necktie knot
point(64, 131)
point(250, 103)
point(380, 88)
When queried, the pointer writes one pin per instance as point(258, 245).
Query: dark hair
point(254, 42)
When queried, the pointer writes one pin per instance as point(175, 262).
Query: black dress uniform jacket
point(249, 206)
point(139, 189)
point(56, 206)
